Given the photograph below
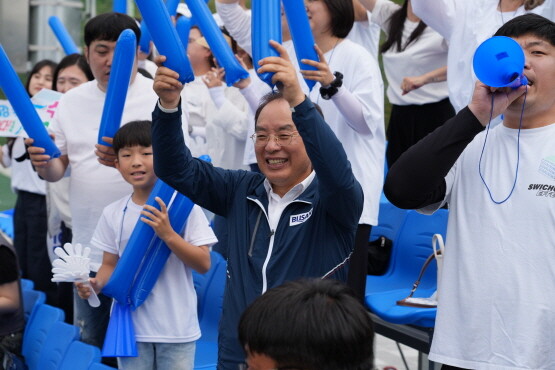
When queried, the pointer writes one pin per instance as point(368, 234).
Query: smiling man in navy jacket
point(296, 219)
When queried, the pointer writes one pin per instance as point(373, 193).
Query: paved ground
point(387, 355)
point(7, 197)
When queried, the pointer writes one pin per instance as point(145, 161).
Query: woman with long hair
point(30, 208)
point(415, 64)
point(349, 90)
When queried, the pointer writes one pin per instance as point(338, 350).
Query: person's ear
point(86, 54)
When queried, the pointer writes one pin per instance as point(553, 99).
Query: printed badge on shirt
point(295, 220)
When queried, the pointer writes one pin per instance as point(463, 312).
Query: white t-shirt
point(367, 34)
point(362, 77)
point(169, 314)
point(92, 185)
point(197, 99)
point(427, 53)
point(465, 25)
point(23, 176)
point(498, 285)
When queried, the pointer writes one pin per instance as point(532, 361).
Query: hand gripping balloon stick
point(499, 62)
point(165, 38)
point(158, 253)
point(62, 35)
point(120, 75)
point(220, 48)
point(121, 281)
point(23, 107)
point(301, 35)
point(266, 26)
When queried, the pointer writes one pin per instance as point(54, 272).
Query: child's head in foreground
point(133, 147)
point(307, 325)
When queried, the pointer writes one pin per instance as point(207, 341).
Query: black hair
point(134, 133)
point(342, 13)
point(529, 24)
point(108, 26)
point(72, 60)
point(270, 97)
point(36, 68)
point(311, 324)
point(395, 30)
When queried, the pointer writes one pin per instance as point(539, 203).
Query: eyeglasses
point(281, 139)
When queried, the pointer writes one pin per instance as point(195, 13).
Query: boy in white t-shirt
point(166, 324)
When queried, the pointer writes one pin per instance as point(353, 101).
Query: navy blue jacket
point(314, 236)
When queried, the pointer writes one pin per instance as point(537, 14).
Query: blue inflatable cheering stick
point(23, 107)
point(266, 26)
point(499, 62)
point(119, 6)
point(301, 35)
point(62, 35)
point(165, 38)
point(221, 50)
point(120, 75)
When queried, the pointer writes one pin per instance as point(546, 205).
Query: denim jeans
point(160, 356)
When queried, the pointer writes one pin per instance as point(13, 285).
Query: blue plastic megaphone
point(499, 62)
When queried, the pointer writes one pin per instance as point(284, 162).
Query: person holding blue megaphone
point(76, 124)
point(499, 184)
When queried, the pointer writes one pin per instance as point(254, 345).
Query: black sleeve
point(417, 178)
point(8, 266)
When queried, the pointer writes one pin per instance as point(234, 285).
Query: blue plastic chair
point(58, 340)
point(36, 332)
point(210, 292)
point(80, 356)
point(31, 299)
point(390, 220)
point(27, 284)
point(412, 248)
point(6, 222)
point(99, 366)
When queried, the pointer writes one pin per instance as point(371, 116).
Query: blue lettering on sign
point(4, 111)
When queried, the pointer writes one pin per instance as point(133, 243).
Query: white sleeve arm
point(232, 118)
point(351, 109)
point(438, 14)
point(251, 95)
point(6, 159)
point(218, 95)
point(238, 23)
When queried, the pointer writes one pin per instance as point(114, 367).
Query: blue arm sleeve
point(208, 186)
point(339, 191)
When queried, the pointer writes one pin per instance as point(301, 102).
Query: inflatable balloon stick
point(157, 255)
point(301, 35)
point(171, 5)
point(120, 6)
point(120, 75)
point(220, 48)
point(266, 26)
point(183, 26)
point(121, 281)
point(62, 35)
point(499, 62)
point(23, 107)
point(120, 335)
point(165, 37)
point(144, 42)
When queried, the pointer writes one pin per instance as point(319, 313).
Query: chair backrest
point(31, 299)
point(99, 366)
point(36, 331)
point(58, 340)
point(27, 284)
point(414, 246)
point(390, 221)
point(212, 292)
point(79, 356)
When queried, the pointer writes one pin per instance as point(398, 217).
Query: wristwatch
point(331, 90)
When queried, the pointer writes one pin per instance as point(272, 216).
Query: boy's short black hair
point(108, 27)
point(529, 24)
point(134, 133)
point(309, 324)
point(342, 13)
